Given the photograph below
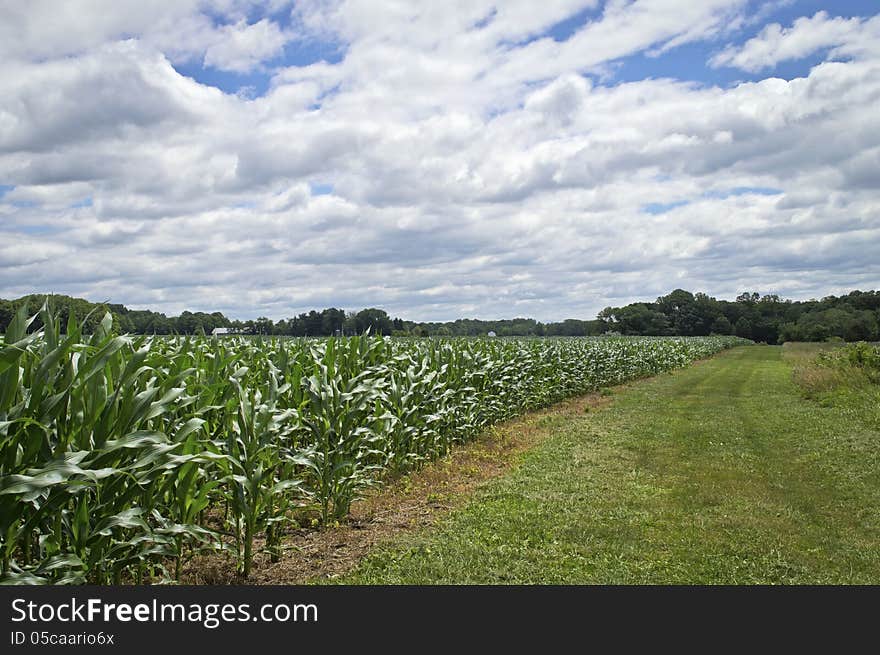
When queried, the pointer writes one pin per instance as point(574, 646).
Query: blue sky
point(256, 82)
point(687, 62)
point(440, 160)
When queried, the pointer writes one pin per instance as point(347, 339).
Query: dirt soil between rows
point(409, 503)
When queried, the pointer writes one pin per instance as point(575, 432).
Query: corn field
point(121, 457)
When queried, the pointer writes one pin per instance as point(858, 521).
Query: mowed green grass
point(720, 473)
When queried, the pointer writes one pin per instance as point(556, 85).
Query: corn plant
point(121, 457)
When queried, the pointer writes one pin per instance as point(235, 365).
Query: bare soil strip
point(408, 503)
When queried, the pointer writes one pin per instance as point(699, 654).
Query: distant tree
point(157, 324)
point(332, 321)
point(765, 330)
point(7, 313)
point(595, 327)
point(748, 297)
point(567, 328)
point(296, 326)
point(744, 328)
point(186, 323)
point(638, 318)
point(862, 326)
point(722, 325)
point(314, 324)
point(869, 300)
point(687, 314)
point(854, 316)
point(790, 332)
point(374, 320)
point(264, 325)
point(351, 323)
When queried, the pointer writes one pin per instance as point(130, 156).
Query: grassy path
point(720, 473)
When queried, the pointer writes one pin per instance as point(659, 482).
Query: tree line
point(768, 318)
point(328, 322)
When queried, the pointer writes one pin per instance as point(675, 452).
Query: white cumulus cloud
point(845, 37)
point(453, 159)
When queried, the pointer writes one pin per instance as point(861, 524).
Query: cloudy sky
point(474, 158)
